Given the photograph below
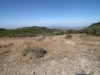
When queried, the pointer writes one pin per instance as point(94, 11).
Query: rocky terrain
point(79, 55)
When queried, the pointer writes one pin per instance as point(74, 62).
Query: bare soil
point(79, 55)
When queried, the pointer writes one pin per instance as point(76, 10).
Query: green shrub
point(24, 53)
point(27, 50)
point(62, 33)
point(68, 36)
point(37, 51)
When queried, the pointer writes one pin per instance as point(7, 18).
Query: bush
point(37, 51)
point(24, 53)
point(68, 36)
point(62, 33)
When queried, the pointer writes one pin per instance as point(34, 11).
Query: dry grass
point(89, 45)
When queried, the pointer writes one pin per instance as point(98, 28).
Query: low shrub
point(68, 36)
point(37, 51)
point(24, 53)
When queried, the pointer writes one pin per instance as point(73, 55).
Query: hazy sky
point(22, 13)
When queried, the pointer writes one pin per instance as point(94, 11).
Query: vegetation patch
point(25, 32)
point(93, 29)
point(36, 51)
point(68, 36)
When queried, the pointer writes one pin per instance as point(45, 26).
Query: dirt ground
point(79, 55)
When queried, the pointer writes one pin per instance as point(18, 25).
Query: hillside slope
point(93, 29)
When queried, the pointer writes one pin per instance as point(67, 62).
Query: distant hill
point(25, 32)
point(95, 24)
point(93, 29)
point(66, 27)
point(37, 29)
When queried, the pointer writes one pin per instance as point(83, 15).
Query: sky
point(26, 13)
